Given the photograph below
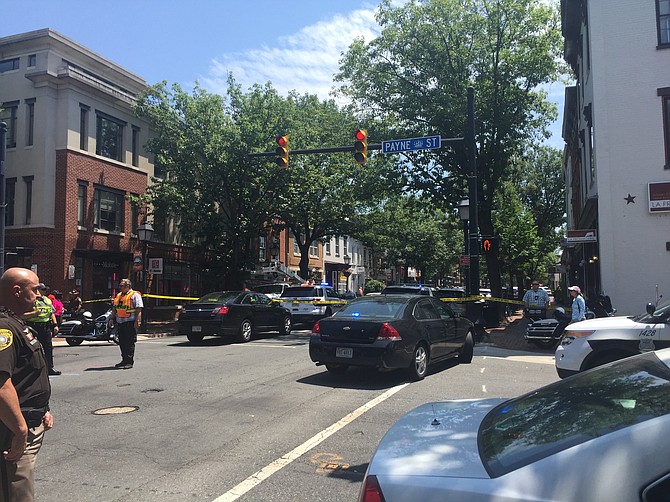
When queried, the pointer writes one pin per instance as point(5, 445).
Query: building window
point(9, 64)
point(346, 246)
point(83, 126)
point(30, 121)
point(32, 60)
point(328, 248)
point(666, 127)
point(81, 204)
point(28, 180)
point(314, 249)
point(108, 207)
point(109, 137)
point(8, 115)
point(136, 146)
point(337, 246)
point(663, 15)
point(296, 249)
point(10, 196)
point(134, 214)
point(262, 248)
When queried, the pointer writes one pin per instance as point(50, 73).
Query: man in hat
point(43, 320)
point(24, 387)
point(128, 313)
point(578, 304)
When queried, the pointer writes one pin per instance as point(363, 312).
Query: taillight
point(316, 329)
point(388, 332)
point(371, 492)
point(222, 310)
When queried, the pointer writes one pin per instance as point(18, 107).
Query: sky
point(295, 44)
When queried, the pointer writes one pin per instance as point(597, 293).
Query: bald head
point(18, 289)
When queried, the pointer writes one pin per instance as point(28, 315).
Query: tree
point(415, 75)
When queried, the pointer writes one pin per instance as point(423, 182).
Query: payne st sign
point(410, 144)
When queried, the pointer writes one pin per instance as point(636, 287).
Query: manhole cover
point(116, 410)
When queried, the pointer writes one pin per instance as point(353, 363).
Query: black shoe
point(126, 366)
point(54, 372)
point(122, 363)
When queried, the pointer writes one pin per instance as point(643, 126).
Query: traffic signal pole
point(471, 147)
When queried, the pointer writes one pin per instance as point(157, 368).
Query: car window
point(219, 297)
point(661, 314)
point(372, 307)
point(263, 300)
point(443, 310)
point(570, 412)
point(425, 310)
point(332, 294)
point(301, 291)
point(248, 300)
point(269, 288)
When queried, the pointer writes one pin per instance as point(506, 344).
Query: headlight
point(571, 336)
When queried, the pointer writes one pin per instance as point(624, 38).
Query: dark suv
point(409, 290)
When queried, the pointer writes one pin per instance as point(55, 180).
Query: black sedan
point(240, 314)
point(392, 331)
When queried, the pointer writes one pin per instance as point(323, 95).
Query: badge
point(6, 338)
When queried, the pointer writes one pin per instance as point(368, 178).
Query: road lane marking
point(525, 359)
point(267, 471)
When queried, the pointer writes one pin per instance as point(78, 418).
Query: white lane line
point(267, 471)
point(525, 359)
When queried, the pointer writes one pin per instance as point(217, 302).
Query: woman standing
point(578, 304)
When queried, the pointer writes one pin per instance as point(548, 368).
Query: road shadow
point(103, 368)
point(351, 473)
point(356, 378)
point(217, 341)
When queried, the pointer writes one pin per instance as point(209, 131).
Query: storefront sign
point(579, 236)
point(659, 197)
point(155, 266)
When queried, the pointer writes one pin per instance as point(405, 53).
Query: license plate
point(196, 329)
point(344, 352)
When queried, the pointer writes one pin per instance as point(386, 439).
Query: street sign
point(465, 260)
point(409, 144)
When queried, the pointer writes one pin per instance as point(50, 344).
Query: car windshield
point(269, 288)
point(570, 412)
point(661, 314)
point(219, 297)
point(374, 306)
point(302, 292)
point(405, 290)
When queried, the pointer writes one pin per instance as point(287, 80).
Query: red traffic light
point(281, 152)
point(282, 141)
point(361, 146)
point(361, 134)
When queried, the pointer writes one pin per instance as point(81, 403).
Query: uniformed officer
point(43, 320)
point(128, 312)
point(24, 388)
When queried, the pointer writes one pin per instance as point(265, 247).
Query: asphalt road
point(225, 421)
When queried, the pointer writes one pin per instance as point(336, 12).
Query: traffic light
point(490, 245)
point(281, 152)
point(361, 146)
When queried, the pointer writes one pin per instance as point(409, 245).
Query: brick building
point(74, 158)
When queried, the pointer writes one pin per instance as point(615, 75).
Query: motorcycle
point(547, 333)
point(76, 327)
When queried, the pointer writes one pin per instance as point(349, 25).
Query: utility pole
point(3, 202)
point(471, 147)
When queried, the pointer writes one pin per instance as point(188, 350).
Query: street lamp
point(347, 262)
point(145, 233)
point(464, 213)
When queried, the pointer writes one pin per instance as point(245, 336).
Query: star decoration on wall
point(630, 199)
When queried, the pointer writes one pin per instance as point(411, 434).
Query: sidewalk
point(510, 336)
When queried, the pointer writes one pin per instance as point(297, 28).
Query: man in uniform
point(43, 320)
point(128, 312)
point(24, 388)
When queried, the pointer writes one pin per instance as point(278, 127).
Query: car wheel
point(468, 349)
point(246, 330)
point(419, 365)
point(337, 369)
point(73, 342)
point(286, 326)
point(195, 338)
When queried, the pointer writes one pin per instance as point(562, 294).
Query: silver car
point(599, 435)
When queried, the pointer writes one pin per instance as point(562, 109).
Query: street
point(225, 421)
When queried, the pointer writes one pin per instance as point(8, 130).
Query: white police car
point(594, 342)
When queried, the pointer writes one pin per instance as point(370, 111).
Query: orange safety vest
point(122, 304)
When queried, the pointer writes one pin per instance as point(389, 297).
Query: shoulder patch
point(6, 338)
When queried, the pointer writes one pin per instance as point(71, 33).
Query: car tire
point(337, 369)
point(468, 349)
point(73, 342)
point(418, 367)
point(286, 326)
point(195, 338)
point(246, 331)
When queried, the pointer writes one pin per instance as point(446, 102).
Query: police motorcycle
point(89, 324)
point(547, 333)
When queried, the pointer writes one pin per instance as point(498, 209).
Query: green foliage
point(373, 286)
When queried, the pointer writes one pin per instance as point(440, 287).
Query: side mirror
point(651, 308)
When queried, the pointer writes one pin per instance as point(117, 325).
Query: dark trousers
point(127, 339)
point(44, 332)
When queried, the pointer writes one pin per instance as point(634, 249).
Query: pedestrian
point(75, 301)
point(578, 304)
point(128, 313)
point(56, 298)
point(43, 320)
point(24, 387)
point(360, 291)
point(536, 297)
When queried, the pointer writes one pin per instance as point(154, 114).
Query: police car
point(593, 342)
